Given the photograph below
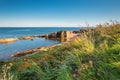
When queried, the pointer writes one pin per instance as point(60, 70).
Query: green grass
point(95, 55)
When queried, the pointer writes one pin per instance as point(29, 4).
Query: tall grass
point(94, 55)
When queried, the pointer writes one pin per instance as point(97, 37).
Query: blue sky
point(57, 13)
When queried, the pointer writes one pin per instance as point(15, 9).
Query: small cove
point(6, 50)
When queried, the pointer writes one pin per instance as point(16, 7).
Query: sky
point(57, 13)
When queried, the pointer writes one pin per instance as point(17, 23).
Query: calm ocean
point(6, 50)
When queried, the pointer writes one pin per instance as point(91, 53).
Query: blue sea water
point(6, 50)
point(23, 31)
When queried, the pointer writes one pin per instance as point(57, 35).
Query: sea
point(6, 50)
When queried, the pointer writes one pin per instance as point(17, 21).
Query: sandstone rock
point(46, 36)
point(7, 40)
point(19, 54)
point(60, 35)
point(26, 37)
point(52, 35)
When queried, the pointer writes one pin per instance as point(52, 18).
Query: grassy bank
point(94, 55)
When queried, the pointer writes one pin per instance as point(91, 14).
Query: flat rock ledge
point(19, 54)
point(31, 51)
point(7, 40)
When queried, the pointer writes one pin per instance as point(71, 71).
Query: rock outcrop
point(60, 35)
point(7, 40)
point(19, 54)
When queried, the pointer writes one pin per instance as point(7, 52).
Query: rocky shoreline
point(63, 36)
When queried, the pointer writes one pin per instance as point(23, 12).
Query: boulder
point(60, 34)
point(52, 35)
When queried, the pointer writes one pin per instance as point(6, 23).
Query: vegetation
point(94, 55)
